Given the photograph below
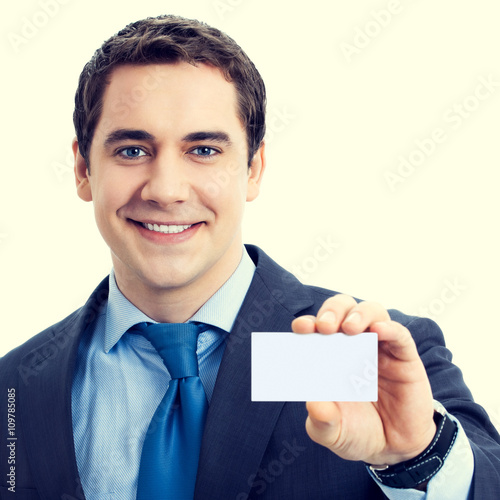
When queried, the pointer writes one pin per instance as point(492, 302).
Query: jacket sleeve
point(449, 389)
point(16, 481)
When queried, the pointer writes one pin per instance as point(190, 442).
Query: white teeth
point(167, 229)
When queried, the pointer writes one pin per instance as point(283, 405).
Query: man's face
point(169, 176)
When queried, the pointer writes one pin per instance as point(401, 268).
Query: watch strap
point(423, 467)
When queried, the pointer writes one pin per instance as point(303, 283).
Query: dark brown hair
point(170, 39)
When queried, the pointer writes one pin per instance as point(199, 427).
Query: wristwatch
point(423, 467)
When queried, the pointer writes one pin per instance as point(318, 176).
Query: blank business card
point(314, 367)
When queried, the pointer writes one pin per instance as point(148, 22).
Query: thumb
point(323, 425)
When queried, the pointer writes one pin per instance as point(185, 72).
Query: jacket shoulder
point(11, 362)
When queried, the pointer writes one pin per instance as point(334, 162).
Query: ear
point(81, 174)
point(255, 172)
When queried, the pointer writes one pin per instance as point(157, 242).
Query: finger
point(332, 313)
point(397, 338)
point(304, 324)
point(323, 422)
point(363, 316)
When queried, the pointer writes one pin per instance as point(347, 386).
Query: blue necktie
point(169, 460)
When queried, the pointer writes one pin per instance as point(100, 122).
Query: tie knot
point(176, 344)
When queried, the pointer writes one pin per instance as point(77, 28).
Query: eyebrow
point(215, 136)
point(124, 134)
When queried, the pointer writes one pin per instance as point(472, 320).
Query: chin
point(166, 280)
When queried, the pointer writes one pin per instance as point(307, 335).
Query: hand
point(400, 425)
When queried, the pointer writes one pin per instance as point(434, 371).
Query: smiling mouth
point(166, 229)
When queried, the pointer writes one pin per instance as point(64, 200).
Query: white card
point(314, 367)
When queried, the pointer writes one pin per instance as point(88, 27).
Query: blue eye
point(204, 151)
point(132, 152)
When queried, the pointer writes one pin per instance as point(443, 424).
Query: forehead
point(180, 94)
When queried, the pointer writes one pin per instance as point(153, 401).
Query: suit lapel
point(237, 430)
point(46, 376)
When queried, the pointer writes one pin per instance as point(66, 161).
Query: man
point(169, 119)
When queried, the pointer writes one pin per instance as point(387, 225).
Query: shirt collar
point(219, 311)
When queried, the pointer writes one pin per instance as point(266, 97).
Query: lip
point(166, 238)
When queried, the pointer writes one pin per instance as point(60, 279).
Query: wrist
point(418, 471)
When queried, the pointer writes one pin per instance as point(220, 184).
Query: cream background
point(325, 179)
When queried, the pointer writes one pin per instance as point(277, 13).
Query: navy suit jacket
point(249, 450)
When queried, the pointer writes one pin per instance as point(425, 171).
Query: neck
point(174, 303)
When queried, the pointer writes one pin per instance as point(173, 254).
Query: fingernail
point(328, 316)
point(353, 318)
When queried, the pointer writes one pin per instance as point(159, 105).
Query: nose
point(167, 181)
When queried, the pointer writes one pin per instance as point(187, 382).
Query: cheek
point(110, 195)
point(224, 193)
point(226, 181)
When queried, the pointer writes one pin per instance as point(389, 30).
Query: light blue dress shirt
point(120, 380)
point(454, 479)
